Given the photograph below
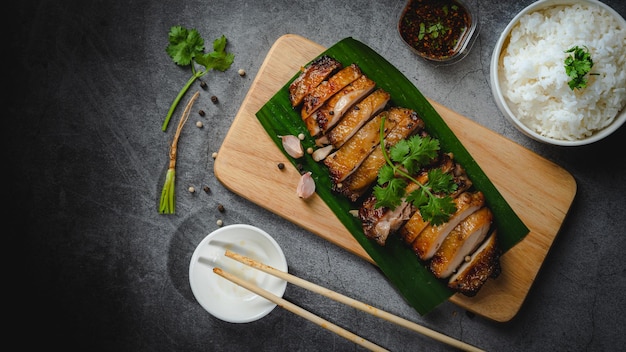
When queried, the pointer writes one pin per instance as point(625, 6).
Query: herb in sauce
point(435, 28)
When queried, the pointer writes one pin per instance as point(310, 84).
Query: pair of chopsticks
point(334, 296)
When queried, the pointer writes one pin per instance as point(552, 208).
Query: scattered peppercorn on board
point(256, 175)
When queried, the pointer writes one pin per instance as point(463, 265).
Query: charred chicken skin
point(310, 77)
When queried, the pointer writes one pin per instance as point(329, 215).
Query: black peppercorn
point(220, 208)
point(201, 112)
point(214, 99)
point(281, 166)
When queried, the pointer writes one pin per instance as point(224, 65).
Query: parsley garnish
point(404, 159)
point(186, 48)
point(577, 66)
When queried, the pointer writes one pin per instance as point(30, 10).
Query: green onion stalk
point(167, 204)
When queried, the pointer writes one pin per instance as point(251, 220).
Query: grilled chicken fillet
point(320, 94)
point(379, 223)
point(461, 241)
point(429, 240)
point(416, 224)
point(333, 110)
point(354, 119)
point(342, 109)
point(363, 177)
point(342, 162)
point(310, 77)
point(482, 265)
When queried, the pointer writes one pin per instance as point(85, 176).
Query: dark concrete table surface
point(94, 267)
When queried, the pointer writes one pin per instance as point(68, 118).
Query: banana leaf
point(421, 289)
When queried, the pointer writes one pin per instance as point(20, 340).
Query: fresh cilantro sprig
point(577, 66)
point(186, 48)
point(406, 158)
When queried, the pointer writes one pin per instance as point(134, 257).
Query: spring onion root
point(167, 204)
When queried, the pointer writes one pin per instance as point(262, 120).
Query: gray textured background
point(93, 266)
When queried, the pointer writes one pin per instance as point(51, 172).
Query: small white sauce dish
point(220, 297)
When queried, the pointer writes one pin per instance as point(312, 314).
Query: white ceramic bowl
point(222, 298)
point(505, 106)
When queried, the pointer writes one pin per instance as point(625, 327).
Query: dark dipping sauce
point(436, 29)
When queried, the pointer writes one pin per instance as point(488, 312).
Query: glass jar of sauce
point(441, 31)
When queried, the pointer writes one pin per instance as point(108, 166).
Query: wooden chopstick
point(281, 302)
point(351, 302)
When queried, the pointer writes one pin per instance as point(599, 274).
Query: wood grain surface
point(539, 191)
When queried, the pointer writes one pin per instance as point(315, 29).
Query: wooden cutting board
point(539, 191)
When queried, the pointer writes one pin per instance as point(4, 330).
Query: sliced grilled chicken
point(461, 242)
point(416, 224)
point(379, 223)
point(362, 178)
point(311, 76)
point(343, 161)
point(482, 265)
point(333, 110)
point(413, 227)
point(355, 118)
point(429, 240)
point(320, 94)
point(343, 110)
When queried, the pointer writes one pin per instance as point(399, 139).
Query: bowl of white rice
point(558, 71)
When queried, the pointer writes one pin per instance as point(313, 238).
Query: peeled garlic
point(306, 186)
point(292, 146)
point(321, 153)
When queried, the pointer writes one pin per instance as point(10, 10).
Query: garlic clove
point(292, 146)
point(306, 186)
point(321, 153)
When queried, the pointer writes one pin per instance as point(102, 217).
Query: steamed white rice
point(533, 77)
